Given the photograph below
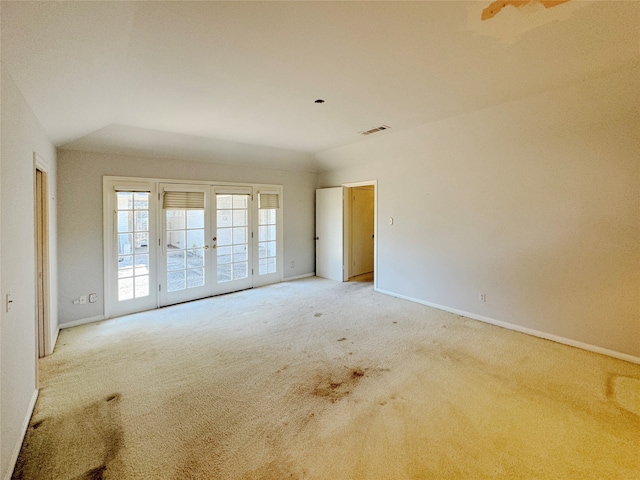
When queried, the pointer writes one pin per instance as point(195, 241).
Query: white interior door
point(330, 233)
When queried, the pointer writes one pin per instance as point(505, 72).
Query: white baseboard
point(82, 321)
point(521, 329)
point(18, 445)
point(298, 277)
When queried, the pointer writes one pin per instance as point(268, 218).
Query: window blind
point(183, 201)
point(268, 200)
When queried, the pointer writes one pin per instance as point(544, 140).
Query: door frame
point(45, 336)
point(152, 184)
point(211, 286)
point(347, 230)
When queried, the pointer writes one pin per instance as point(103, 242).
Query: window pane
point(142, 242)
point(124, 243)
point(224, 255)
point(263, 217)
point(141, 200)
point(175, 219)
point(125, 221)
point(263, 233)
point(239, 253)
point(195, 218)
point(224, 236)
point(142, 286)
point(175, 260)
point(142, 265)
point(175, 239)
point(271, 263)
point(142, 221)
point(272, 232)
point(271, 215)
point(125, 266)
point(175, 281)
point(195, 258)
point(240, 235)
point(195, 238)
point(240, 270)
point(240, 201)
point(224, 201)
point(224, 218)
point(125, 200)
point(195, 277)
point(262, 250)
point(224, 273)
point(125, 288)
point(262, 266)
point(239, 218)
point(271, 249)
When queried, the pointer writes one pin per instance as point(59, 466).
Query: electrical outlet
point(93, 297)
point(83, 299)
point(292, 264)
point(483, 297)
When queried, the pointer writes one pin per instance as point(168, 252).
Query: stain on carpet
point(93, 474)
point(341, 339)
point(92, 434)
point(624, 392)
point(336, 386)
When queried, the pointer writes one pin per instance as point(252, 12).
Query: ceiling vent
point(376, 130)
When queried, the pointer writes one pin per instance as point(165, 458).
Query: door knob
point(317, 238)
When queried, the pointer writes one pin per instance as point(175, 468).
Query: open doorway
point(346, 229)
point(360, 238)
point(42, 261)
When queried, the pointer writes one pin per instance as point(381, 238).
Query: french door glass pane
point(266, 241)
point(185, 249)
point(176, 281)
point(133, 244)
point(232, 232)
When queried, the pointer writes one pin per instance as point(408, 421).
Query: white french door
point(130, 247)
point(206, 247)
point(173, 242)
point(232, 245)
point(185, 246)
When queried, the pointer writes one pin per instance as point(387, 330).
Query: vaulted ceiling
point(101, 74)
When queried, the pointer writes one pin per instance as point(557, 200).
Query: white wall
point(535, 203)
point(80, 218)
point(22, 135)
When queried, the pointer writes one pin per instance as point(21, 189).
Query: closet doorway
point(361, 230)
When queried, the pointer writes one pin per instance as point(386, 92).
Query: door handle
point(215, 242)
point(206, 247)
point(317, 238)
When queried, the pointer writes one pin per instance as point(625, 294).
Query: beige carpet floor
point(314, 379)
